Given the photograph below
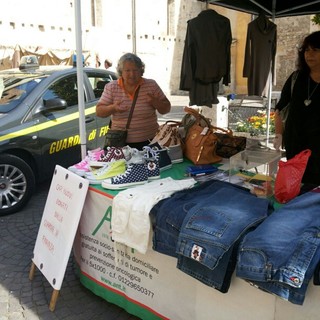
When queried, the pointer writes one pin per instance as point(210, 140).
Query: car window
point(98, 81)
point(13, 90)
point(65, 89)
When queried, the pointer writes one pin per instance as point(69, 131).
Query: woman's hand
point(104, 111)
point(119, 107)
point(162, 105)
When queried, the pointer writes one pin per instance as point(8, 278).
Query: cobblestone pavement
point(21, 298)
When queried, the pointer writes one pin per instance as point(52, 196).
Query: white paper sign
point(59, 224)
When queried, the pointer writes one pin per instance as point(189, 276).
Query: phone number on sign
point(135, 286)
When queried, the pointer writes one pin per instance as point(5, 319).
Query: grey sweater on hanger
point(260, 54)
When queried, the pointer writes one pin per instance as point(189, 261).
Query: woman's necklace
point(308, 101)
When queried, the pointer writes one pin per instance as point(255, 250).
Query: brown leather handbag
point(200, 141)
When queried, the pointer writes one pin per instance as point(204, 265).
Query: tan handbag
point(200, 141)
point(168, 134)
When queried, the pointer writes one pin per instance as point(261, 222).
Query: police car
point(39, 125)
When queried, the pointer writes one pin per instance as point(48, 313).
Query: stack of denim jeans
point(203, 226)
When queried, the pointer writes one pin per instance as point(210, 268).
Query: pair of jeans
point(211, 230)
point(167, 215)
point(281, 254)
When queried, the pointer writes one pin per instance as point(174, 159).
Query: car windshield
point(14, 89)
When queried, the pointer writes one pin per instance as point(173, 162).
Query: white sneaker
point(109, 170)
point(136, 156)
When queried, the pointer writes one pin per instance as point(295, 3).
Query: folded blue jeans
point(281, 254)
point(211, 229)
point(167, 215)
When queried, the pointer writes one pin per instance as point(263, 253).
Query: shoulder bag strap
point(132, 107)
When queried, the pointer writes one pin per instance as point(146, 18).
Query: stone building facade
point(153, 29)
point(291, 32)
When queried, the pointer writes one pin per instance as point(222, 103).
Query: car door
point(60, 138)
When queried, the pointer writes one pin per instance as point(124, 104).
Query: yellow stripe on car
point(46, 125)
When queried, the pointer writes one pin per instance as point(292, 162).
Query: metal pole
point(81, 106)
point(270, 82)
point(134, 31)
point(269, 106)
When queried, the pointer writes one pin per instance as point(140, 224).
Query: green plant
point(256, 124)
point(316, 19)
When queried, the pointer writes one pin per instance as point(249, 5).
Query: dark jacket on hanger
point(206, 57)
point(260, 54)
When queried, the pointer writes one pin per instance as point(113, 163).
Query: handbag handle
point(226, 131)
point(192, 111)
point(132, 107)
point(197, 115)
point(173, 123)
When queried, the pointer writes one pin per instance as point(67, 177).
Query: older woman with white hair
point(118, 95)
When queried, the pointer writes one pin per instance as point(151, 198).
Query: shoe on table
point(153, 169)
point(150, 161)
point(174, 148)
point(137, 156)
point(83, 166)
point(109, 170)
point(175, 153)
point(135, 174)
point(161, 153)
point(112, 154)
point(151, 158)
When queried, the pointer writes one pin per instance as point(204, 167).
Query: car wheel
point(17, 184)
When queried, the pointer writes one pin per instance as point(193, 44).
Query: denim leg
point(286, 292)
point(218, 221)
point(281, 254)
point(210, 230)
point(220, 277)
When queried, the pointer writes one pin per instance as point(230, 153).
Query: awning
point(272, 8)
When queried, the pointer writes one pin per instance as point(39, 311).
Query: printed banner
point(151, 287)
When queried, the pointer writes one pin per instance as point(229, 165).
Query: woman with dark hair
point(302, 127)
point(117, 98)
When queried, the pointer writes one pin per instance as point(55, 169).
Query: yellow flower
point(257, 124)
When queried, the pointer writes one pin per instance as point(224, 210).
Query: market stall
point(151, 286)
